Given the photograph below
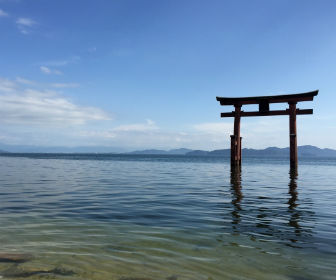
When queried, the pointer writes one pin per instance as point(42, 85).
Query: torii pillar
point(293, 153)
point(264, 110)
point(236, 139)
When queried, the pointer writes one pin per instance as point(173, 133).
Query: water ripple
point(155, 217)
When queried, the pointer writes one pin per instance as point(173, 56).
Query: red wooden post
point(235, 138)
point(233, 149)
point(264, 110)
point(292, 135)
point(240, 153)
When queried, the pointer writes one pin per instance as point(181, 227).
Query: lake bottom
point(70, 219)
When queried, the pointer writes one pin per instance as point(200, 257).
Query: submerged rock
point(134, 278)
point(16, 272)
point(172, 277)
point(15, 258)
point(298, 277)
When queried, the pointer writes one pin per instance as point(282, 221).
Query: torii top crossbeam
point(307, 96)
point(264, 110)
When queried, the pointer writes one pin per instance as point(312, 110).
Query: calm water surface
point(166, 217)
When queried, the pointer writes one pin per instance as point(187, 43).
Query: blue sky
point(145, 73)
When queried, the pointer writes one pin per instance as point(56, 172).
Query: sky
point(137, 74)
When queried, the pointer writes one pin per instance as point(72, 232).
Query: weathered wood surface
point(307, 96)
point(292, 136)
point(269, 113)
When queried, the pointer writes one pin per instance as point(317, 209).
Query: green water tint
point(62, 249)
point(150, 220)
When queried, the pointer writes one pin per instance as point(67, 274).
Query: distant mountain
point(149, 152)
point(181, 151)
point(198, 153)
point(311, 151)
point(303, 151)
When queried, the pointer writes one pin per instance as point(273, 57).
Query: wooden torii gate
point(264, 110)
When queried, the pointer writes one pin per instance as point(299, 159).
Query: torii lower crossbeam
point(264, 110)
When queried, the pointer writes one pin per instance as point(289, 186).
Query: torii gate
point(264, 110)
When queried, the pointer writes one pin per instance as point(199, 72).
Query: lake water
point(166, 217)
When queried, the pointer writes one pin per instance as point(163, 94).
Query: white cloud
point(42, 107)
point(149, 135)
point(26, 22)
point(140, 135)
point(45, 70)
point(214, 128)
point(48, 71)
point(256, 132)
point(97, 134)
point(65, 85)
point(149, 125)
point(137, 136)
point(24, 81)
point(27, 82)
point(3, 13)
point(62, 62)
point(265, 132)
point(25, 25)
point(127, 135)
point(7, 86)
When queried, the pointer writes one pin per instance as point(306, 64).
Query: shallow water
point(166, 217)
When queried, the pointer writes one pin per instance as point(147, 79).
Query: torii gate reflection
point(253, 217)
